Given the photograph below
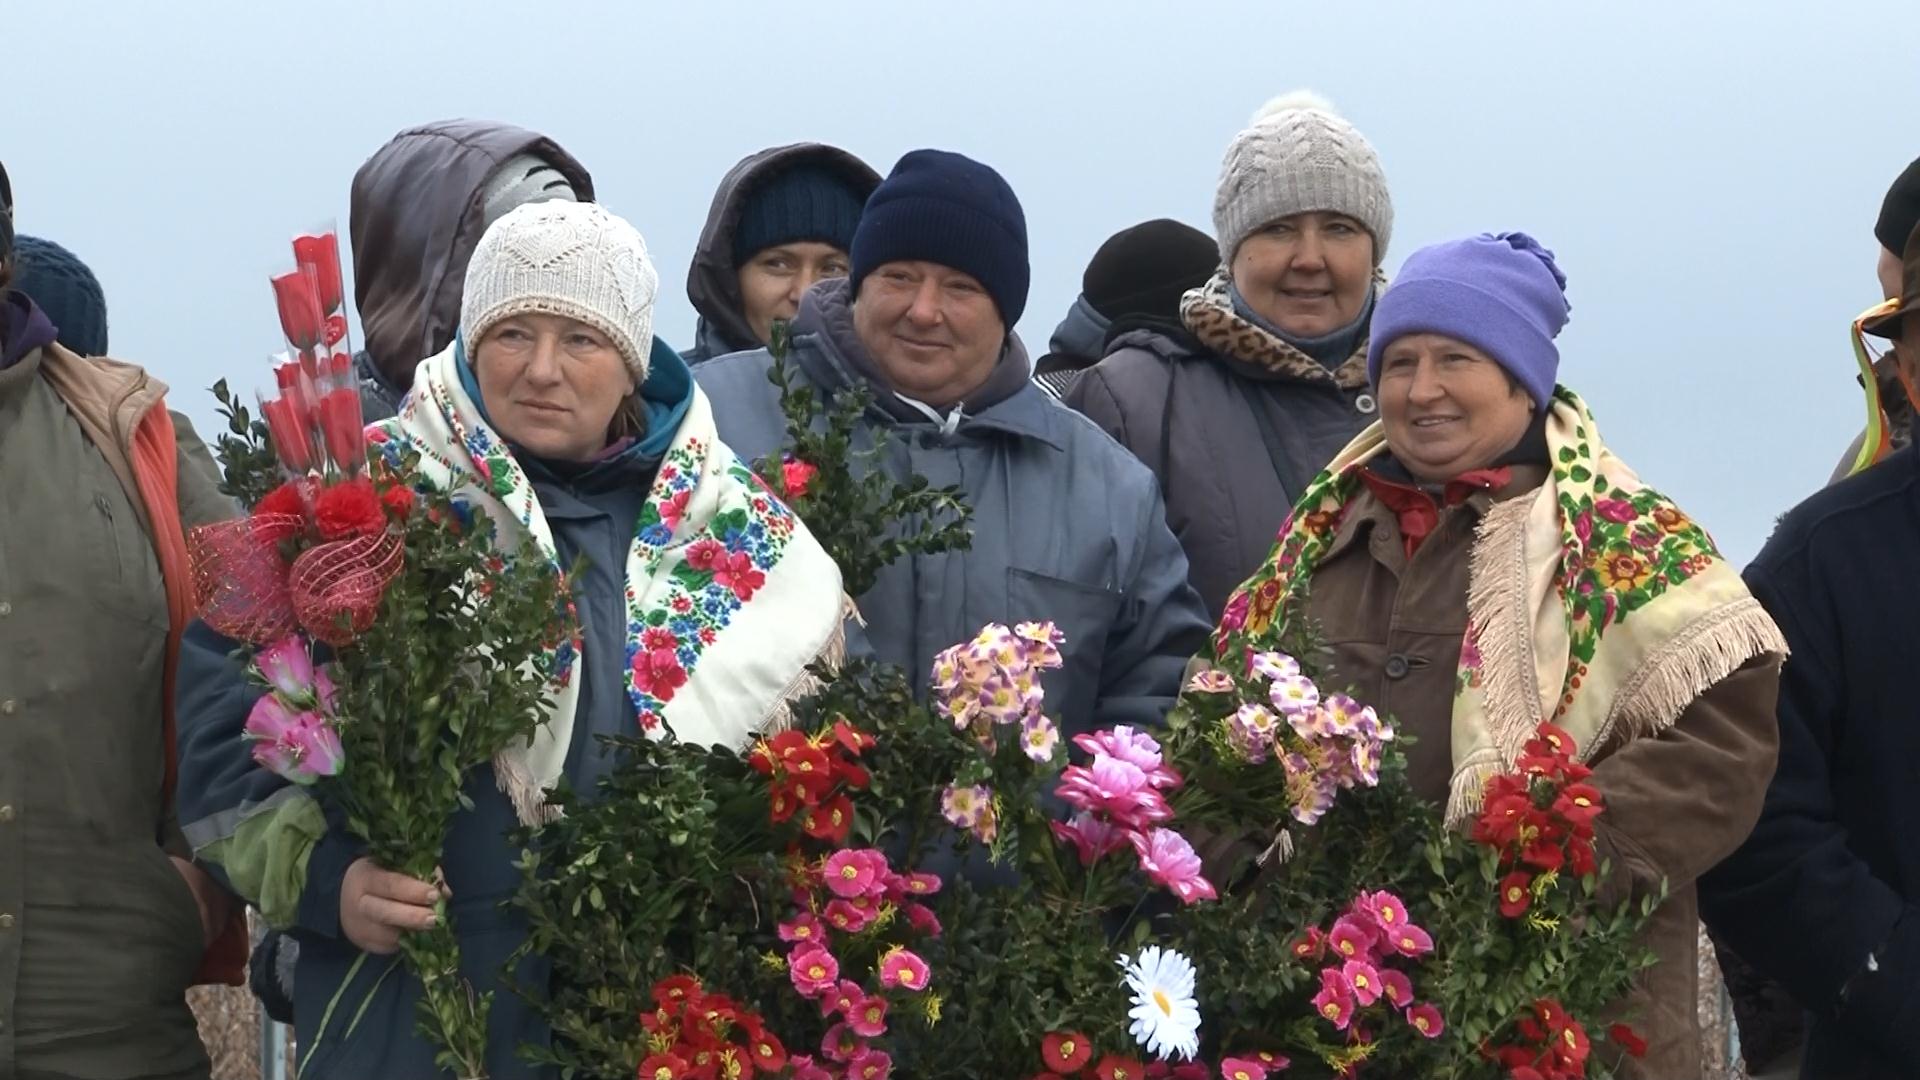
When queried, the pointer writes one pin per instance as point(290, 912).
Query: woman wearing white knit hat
point(558, 414)
point(1269, 379)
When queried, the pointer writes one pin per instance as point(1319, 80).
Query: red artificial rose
point(398, 499)
point(1625, 1038)
point(343, 430)
point(1066, 1051)
point(795, 476)
point(289, 435)
point(1516, 893)
point(321, 255)
point(300, 316)
point(349, 509)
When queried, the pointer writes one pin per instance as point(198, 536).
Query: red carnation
point(795, 475)
point(1625, 1038)
point(348, 510)
point(398, 499)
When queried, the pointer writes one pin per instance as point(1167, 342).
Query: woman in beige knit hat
point(1267, 380)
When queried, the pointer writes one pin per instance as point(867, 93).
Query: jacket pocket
point(1084, 614)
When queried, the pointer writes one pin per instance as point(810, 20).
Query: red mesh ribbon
point(239, 578)
point(336, 587)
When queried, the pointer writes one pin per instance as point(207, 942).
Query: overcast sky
point(1708, 172)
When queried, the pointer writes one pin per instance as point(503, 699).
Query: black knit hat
point(66, 290)
point(806, 202)
point(943, 208)
point(1900, 211)
point(1146, 269)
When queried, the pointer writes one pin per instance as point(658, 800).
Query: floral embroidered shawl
point(1593, 602)
point(729, 598)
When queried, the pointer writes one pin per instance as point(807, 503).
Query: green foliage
point(865, 519)
point(248, 468)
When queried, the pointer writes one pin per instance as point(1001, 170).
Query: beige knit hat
point(1299, 156)
point(574, 260)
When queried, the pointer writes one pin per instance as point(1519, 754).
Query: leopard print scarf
point(1208, 312)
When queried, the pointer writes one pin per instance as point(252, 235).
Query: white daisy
point(1166, 1018)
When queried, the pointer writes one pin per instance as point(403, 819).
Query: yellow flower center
point(1361, 982)
point(1330, 1010)
point(816, 972)
point(1423, 1023)
point(1386, 915)
point(1162, 1002)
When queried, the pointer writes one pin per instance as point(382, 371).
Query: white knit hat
point(574, 260)
point(1299, 156)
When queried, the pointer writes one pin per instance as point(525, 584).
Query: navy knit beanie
point(806, 202)
point(66, 290)
point(944, 208)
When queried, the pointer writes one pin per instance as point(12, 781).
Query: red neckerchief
point(1416, 510)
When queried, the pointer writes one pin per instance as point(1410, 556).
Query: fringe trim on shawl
point(1713, 647)
point(1501, 616)
point(832, 655)
point(516, 782)
point(1467, 793)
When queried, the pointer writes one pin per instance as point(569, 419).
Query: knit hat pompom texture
point(1299, 156)
point(574, 260)
point(1501, 293)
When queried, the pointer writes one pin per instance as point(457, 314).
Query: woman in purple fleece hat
point(1478, 562)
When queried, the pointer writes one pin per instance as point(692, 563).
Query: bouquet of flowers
point(359, 595)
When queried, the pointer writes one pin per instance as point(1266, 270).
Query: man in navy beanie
point(1067, 526)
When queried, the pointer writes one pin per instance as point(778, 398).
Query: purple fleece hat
point(1501, 293)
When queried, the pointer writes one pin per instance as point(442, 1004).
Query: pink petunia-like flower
point(855, 873)
point(1210, 681)
point(1293, 694)
point(1093, 838)
point(1038, 738)
point(1242, 1069)
point(849, 918)
point(1251, 730)
point(1365, 980)
point(841, 1000)
point(1334, 1003)
point(1352, 939)
point(287, 667)
point(900, 968)
point(1310, 791)
point(1273, 665)
point(803, 929)
point(1042, 642)
point(963, 806)
point(868, 1017)
point(1115, 788)
point(870, 1064)
point(841, 1044)
point(922, 918)
point(298, 746)
point(1396, 987)
point(1410, 940)
point(813, 970)
point(1384, 908)
point(1426, 1020)
point(805, 1068)
point(1169, 860)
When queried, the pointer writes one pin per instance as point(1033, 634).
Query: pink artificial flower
point(1334, 1002)
point(1169, 860)
point(868, 1017)
point(1242, 1069)
point(922, 918)
point(854, 873)
point(1093, 838)
point(1365, 980)
point(1410, 940)
point(287, 667)
point(848, 917)
point(962, 806)
point(1351, 939)
point(901, 968)
point(842, 999)
point(841, 1044)
point(1293, 694)
point(1396, 987)
point(1426, 1020)
point(1123, 743)
point(804, 1068)
point(324, 691)
point(297, 746)
point(813, 970)
point(1383, 908)
point(1210, 681)
point(920, 884)
point(804, 929)
point(1250, 730)
point(1273, 665)
point(870, 1065)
